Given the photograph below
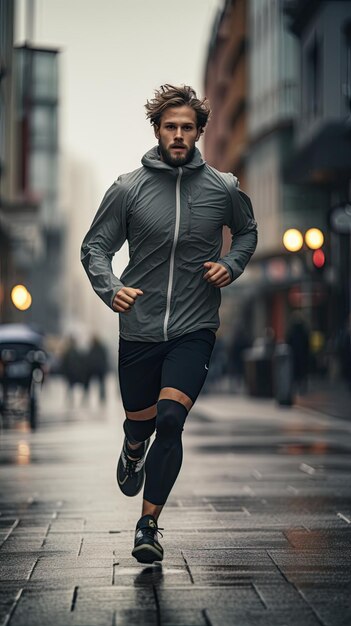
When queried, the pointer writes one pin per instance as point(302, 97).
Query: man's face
point(177, 135)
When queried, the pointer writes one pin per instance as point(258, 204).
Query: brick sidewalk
point(257, 530)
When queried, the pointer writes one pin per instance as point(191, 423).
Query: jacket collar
point(152, 160)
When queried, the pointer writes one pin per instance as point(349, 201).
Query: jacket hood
point(152, 159)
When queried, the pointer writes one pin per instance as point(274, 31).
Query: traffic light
point(318, 259)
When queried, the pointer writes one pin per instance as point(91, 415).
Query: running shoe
point(130, 470)
point(147, 549)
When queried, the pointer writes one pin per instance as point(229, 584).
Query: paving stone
point(330, 602)
point(14, 567)
point(279, 595)
point(53, 561)
point(67, 524)
point(8, 599)
point(218, 617)
point(21, 545)
point(200, 597)
point(149, 576)
point(118, 617)
point(47, 607)
point(67, 542)
point(73, 575)
point(317, 567)
point(183, 617)
point(242, 560)
point(319, 539)
point(98, 603)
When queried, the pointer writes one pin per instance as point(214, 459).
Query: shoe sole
point(147, 554)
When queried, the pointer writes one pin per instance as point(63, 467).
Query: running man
point(171, 211)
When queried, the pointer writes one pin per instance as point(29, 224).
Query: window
point(44, 127)
point(314, 79)
point(347, 81)
point(45, 79)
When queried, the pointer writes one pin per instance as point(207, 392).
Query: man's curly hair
point(171, 96)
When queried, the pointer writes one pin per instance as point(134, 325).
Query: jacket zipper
point(171, 263)
point(190, 208)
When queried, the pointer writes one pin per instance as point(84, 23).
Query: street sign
point(340, 219)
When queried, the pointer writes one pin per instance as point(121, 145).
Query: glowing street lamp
point(293, 240)
point(314, 238)
point(21, 297)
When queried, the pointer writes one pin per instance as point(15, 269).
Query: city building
point(226, 86)
point(273, 105)
point(276, 282)
point(321, 159)
point(7, 155)
point(38, 170)
point(31, 223)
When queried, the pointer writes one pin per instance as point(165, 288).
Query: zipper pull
point(189, 203)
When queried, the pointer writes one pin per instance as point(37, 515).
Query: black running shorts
point(146, 367)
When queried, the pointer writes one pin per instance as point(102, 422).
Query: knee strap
point(171, 416)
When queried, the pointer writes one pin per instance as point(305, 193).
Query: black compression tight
point(165, 456)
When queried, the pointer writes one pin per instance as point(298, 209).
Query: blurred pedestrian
point(72, 367)
point(239, 343)
point(171, 211)
point(298, 338)
point(97, 366)
point(344, 351)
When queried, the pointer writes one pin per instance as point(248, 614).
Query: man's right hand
point(125, 298)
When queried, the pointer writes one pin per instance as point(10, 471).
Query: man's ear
point(199, 133)
point(157, 131)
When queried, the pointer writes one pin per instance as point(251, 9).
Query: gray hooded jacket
point(172, 218)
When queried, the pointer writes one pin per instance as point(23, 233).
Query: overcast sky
point(114, 53)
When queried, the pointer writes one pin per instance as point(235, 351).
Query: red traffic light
point(318, 258)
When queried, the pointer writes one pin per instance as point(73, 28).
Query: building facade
point(226, 137)
point(321, 159)
point(7, 153)
point(277, 282)
point(226, 80)
point(31, 227)
point(38, 173)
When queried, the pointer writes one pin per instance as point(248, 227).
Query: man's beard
point(175, 161)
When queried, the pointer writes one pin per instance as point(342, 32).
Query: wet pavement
point(330, 397)
point(257, 529)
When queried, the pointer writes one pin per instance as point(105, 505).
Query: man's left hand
point(217, 275)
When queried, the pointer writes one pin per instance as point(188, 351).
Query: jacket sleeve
point(240, 219)
point(106, 236)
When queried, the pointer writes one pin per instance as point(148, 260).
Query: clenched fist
point(125, 298)
point(217, 274)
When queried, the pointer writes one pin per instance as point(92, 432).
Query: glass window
point(44, 75)
point(347, 82)
point(44, 127)
point(43, 172)
point(314, 79)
